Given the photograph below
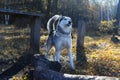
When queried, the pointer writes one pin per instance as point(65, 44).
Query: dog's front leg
point(71, 59)
point(57, 55)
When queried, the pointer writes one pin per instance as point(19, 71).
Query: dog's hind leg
point(71, 59)
point(48, 46)
point(47, 50)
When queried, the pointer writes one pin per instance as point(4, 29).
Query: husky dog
point(60, 36)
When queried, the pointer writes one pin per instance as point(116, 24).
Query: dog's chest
point(63, 42)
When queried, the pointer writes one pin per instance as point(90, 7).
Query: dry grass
point(103, 56)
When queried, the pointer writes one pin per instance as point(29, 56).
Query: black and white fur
point(60, 36)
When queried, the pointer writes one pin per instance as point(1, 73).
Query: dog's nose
point(69, 22)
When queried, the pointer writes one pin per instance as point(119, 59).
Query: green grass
point(103, 56)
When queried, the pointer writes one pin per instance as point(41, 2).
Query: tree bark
point(55, 6)
point(118, 14)
point(48, 7)
point(80, 55)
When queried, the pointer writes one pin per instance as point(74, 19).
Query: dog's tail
point(51, 23)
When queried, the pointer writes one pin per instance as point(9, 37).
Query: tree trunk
point(108, 13)
point(55, 6)
point(6, 16)
point(101, 11)
point(48, 7)
point(80, 55)
point(118, 14)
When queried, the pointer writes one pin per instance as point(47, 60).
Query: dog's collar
point(59, 30)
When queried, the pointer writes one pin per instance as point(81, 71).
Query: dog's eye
point(65, 19)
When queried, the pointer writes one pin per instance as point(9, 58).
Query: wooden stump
point(35, 34)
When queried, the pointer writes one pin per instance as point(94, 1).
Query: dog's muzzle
point(69, 23)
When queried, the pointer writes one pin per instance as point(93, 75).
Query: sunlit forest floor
point(103, 55)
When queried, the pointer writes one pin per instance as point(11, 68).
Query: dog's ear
point(61, 18)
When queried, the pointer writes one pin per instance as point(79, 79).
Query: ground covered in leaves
point(103, 55)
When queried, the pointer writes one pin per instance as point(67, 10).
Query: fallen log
point(47, 70)
point(23, 61)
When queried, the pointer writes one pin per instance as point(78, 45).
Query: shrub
point(106, 26)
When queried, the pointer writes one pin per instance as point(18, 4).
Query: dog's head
point(65, 21)
point(65, 24)
point(60, 23)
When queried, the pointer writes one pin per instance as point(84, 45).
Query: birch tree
point(118, 14)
